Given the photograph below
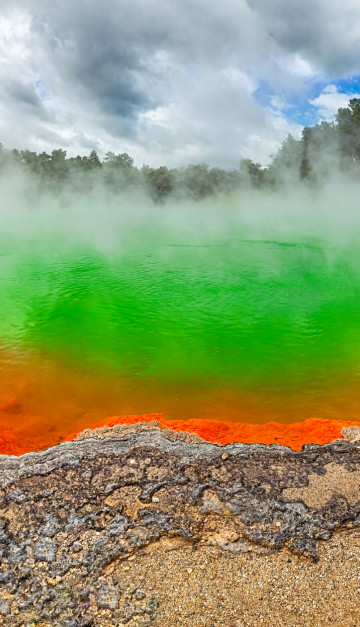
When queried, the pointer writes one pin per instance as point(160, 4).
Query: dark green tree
point(252, 172)
point(161, 182)
point(348, 125)
point(196, 182)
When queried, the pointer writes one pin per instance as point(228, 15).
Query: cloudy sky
point(173, 81)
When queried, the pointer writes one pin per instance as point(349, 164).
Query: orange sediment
point(311, 431)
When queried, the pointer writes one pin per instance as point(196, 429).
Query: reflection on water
point(236, 330)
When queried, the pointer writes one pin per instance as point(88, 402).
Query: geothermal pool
point(229, 328)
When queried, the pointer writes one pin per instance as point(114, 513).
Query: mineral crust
point(78, 518)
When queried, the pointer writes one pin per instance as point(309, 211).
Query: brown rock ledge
point(137, 525)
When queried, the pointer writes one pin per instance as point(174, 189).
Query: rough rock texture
point(352, 434)
point(73, 517)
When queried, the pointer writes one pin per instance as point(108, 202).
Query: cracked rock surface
point(74, 516)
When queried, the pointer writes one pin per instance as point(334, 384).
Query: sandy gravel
point(214, 588)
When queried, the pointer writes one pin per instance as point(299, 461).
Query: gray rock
point(108, 597)
point(4, 608)
point(45, 550)
point(69, 512)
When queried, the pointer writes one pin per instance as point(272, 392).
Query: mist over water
point(240, 307)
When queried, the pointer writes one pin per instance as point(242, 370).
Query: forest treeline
point(324, 150)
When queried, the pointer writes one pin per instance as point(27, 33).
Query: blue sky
point(175, 82)
point(305, 108)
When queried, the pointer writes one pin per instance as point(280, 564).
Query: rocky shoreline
point(96, 531)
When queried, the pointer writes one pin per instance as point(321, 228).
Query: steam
point(309, 192)
point(113, 221)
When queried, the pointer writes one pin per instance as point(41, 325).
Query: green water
point(268, 317)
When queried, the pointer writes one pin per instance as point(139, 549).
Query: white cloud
point(296, 65)
point(14, 35)
point(168, 82)
point(330, 100)
point(243, 79)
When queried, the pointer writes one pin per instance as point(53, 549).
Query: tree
point(161, 182)
point(91, 162)
point(119, 170)
point(252, 171)
point(196, 180)
point(94, 159)
point(122, 161)
point(58, 166)
point(348, 124)
point(305, 166)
